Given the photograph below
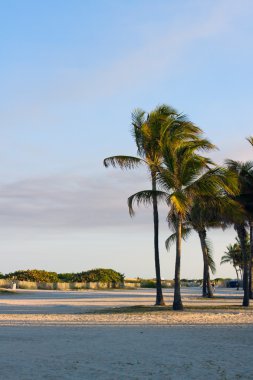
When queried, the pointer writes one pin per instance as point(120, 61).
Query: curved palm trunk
point(251, 261)
point(241, 231)
point(204, 287)
point(207, 288)
point(237, 276)
point(159, 294)
point(177, 304)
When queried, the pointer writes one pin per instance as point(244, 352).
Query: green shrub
point(148, 284)
point(67, 277)
point(100, 274)
point(33, 275)
point(94, 275)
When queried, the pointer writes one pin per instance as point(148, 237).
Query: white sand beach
point(126, 352)
point(84, 335)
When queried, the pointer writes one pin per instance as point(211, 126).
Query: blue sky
point(71, 73)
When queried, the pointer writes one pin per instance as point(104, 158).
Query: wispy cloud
point(159, 54)
point(72, 202)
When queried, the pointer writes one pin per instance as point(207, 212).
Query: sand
point(63, 335)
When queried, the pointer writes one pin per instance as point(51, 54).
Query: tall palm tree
point(209, 212)
point(147, 132)
point(244, 171)
point(203, 217)
point(250, 200)
point(183, 176)
point(251, 259)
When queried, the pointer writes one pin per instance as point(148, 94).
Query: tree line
point(199, 194)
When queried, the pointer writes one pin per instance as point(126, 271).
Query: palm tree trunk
point(241, 231)
point(177, 304)
point(237, 276)
point(204, 288)
point(206, 279)
point(209, 286)
point(159, 294)
point(251, 261)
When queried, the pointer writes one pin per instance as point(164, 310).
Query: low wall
point(8, 284)
point(132, 284)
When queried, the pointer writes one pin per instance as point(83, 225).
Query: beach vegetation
point(35, 275)
point(99, 275)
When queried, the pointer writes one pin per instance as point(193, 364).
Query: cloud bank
point(70, 202)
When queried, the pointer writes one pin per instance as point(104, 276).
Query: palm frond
point(225, 259)
point(173, 237)
point(123, 162)
point(238, 166)
point(250, 139)
point(179, 202)
point(207, 184)
point(170, 241)
point(145, 198)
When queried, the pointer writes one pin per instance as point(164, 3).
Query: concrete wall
point(131, 285)
point(60, 285)
point(5, 284)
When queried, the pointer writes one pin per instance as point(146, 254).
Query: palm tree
point(199, 219)
point(209, 212)
point(203, 217)
point(233, 255)
point(251, 259)
point(183, 176)
point(146, 130)
point(244, 171)
point(206, 248)
point(250, 200)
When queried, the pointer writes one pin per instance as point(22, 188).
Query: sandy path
point(222, 317)
point(75, 308)
point(57, 302)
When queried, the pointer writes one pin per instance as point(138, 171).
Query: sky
point(71, 74)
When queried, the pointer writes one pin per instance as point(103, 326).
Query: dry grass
point(158, 309)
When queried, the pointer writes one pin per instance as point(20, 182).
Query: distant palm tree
point(233, 255)
point(147, 132)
